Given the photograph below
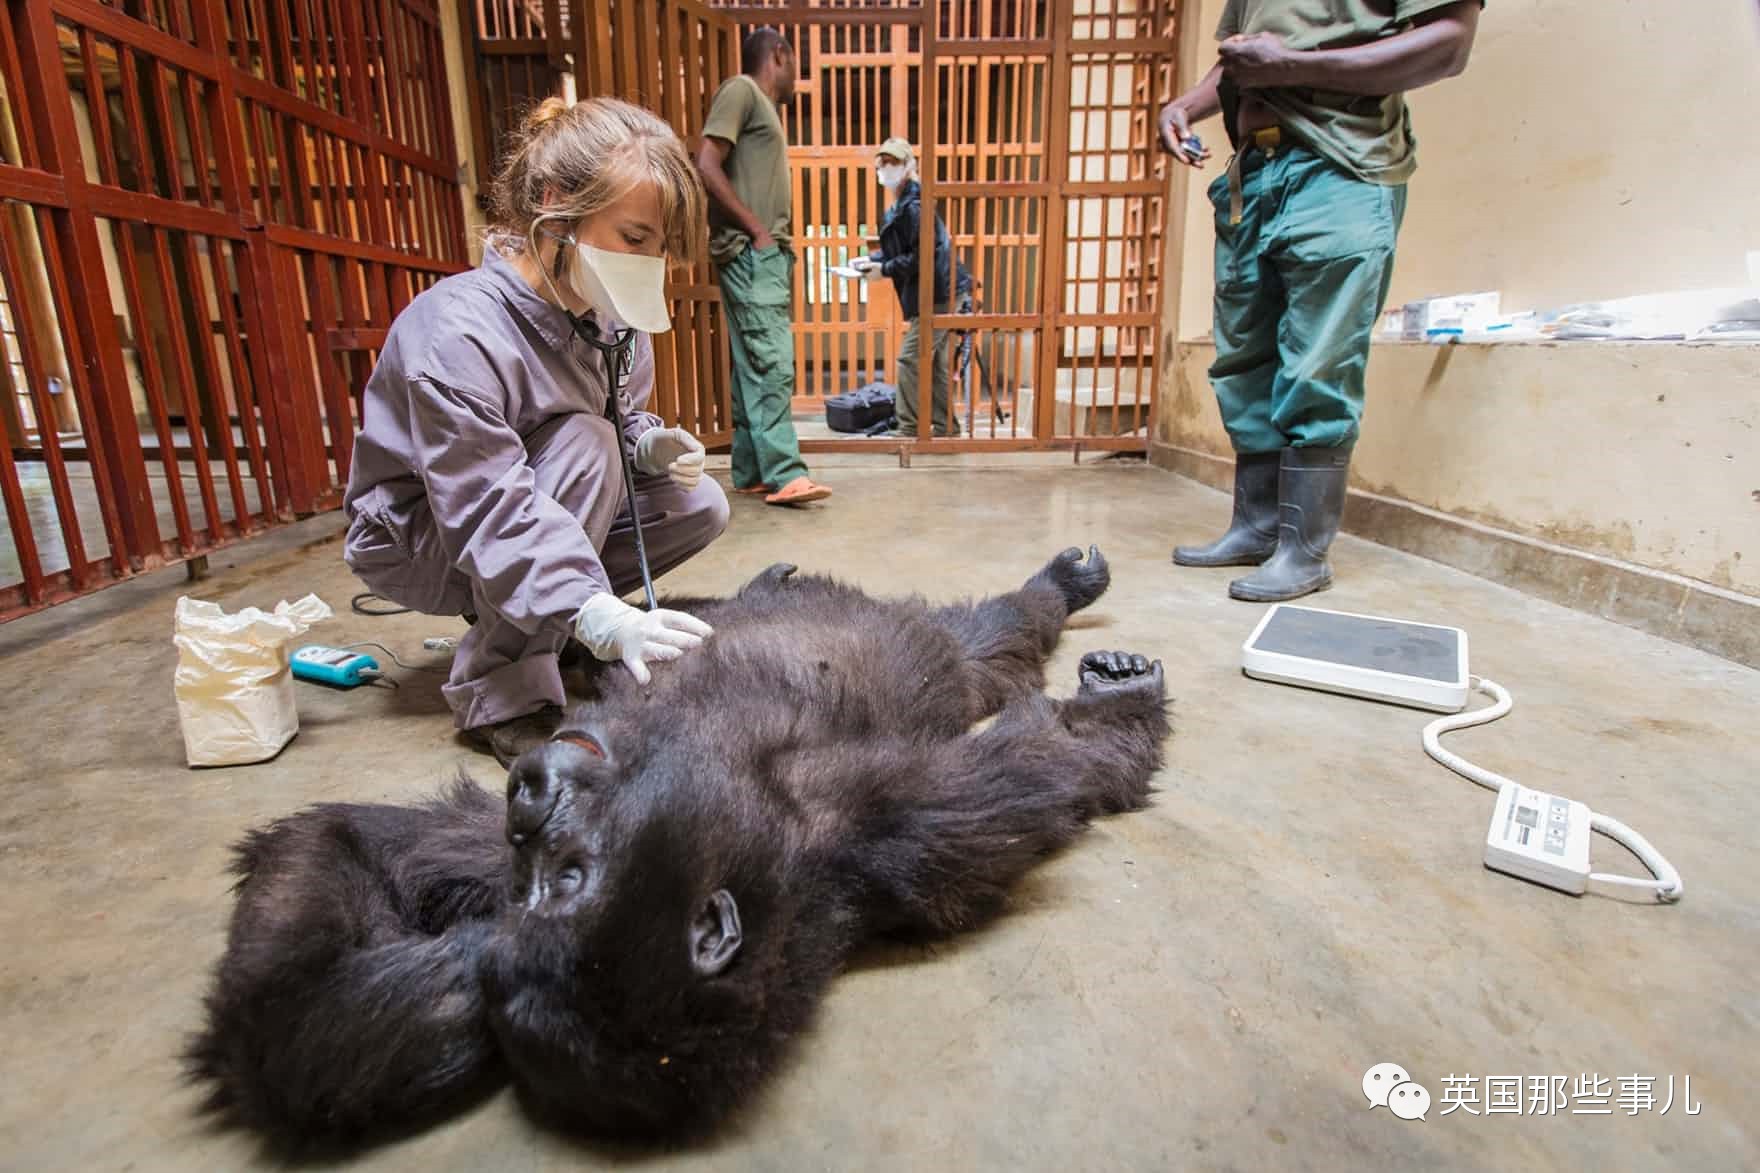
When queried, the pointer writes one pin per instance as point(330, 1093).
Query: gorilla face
point(574, 817)
point(617, 947)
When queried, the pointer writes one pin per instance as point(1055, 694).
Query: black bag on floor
point(861, 409)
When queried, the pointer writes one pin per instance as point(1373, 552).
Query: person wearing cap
point(1306, 220)
point(895, 167)
point(743, 160)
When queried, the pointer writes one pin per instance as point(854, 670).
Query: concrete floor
point(1200, 985)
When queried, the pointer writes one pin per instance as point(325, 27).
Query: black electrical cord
point(357, 605)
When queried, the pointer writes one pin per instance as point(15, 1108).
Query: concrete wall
point(1593, 148)
point(1643, 452)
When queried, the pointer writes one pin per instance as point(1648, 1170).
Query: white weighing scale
point(1533, 835)
point(1361, 655)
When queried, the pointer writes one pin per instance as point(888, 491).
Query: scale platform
point(1417, 664)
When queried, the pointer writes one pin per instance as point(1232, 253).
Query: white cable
point(1667, 884)
point(1434, 730)
point(367, 643)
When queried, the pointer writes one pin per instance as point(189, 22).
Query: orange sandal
point(753, 490)
point(798, 492)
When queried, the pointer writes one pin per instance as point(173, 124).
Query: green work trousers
point(755, 289)
point(1300, 283)
point(940, 420)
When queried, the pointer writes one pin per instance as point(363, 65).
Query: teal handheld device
point(334, 666)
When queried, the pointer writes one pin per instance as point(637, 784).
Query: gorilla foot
point(771, 577)
point(1079, 582)
point(1119, 672)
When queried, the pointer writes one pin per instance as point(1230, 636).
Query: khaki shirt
point(1370, 137)
point(744, 116)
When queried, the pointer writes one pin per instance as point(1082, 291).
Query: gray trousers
point(499, 671)
point(941, 420)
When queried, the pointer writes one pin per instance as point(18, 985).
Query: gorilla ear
point(715, 934)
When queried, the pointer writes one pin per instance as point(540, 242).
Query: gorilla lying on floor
point(654, 914)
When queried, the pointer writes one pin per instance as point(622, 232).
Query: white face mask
point(891, 175)
point(629, 287)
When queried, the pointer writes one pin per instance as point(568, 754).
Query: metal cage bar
point(266, 184)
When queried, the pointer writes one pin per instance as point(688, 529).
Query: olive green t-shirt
point(743, 115)
point(1371, 137)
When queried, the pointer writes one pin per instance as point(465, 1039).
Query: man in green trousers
point(1306, 220)
point(744, 164)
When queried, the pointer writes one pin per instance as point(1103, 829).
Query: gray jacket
point(471, 369)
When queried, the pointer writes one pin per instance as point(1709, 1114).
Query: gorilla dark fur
point(653, 915)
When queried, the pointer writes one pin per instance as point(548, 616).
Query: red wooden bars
point(212, 211)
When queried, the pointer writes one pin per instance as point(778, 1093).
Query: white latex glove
point(613, 630)
point(868, 267)
point(672, 451)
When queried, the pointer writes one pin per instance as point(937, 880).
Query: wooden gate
point(212, 210)
point(1034, 121)
point(666, 55)
point(859, 85)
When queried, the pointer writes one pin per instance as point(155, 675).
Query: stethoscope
point(619, 358)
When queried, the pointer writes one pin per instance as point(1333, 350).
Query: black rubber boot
point(1252, 534)
point(1310, 504)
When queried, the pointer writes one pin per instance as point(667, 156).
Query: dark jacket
point(898, 249)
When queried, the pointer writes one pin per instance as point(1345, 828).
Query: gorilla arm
point(348, 1001)
point(941, 830)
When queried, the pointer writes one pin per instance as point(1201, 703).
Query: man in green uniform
point(1306, 220)
point(744, 164)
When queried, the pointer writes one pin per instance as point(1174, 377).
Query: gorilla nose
point(537, 781)
point(532, 792)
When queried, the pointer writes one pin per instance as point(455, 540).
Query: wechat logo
point(1389, 1085)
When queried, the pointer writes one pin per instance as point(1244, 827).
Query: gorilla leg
point(1006, 638)
point(349, 1000)
point(942, 850)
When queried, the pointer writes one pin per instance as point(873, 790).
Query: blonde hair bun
point(549, 110)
